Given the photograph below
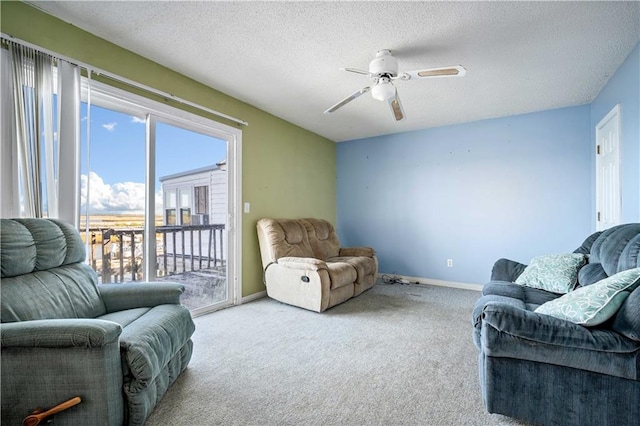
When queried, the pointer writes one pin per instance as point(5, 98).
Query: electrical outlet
point(449, 263)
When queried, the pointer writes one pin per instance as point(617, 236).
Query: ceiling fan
point(382, 71)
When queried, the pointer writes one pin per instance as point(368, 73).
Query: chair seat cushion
point(522, 297)
point(150, 338)
point(126, 317)
point(364, 266)
point(528, 295)
point(341, 274)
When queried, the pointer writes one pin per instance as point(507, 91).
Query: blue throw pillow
point(557, 273)
point(596, 303)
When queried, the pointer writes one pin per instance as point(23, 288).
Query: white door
point(608, 193)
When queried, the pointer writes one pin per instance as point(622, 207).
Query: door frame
point(613, 114)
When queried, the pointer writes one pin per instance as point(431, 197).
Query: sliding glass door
point(159, 198)
point(191, 213)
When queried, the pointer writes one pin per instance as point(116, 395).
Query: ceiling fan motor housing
point(384, 64)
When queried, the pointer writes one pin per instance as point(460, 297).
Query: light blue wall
point(623, 88)
point(511, 187)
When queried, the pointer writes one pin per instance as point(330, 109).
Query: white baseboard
point(254, 296)
point(411, 280)
point(441, 283)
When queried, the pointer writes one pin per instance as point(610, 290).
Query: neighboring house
point(195, 197)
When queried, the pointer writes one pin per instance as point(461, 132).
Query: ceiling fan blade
point(348, 99)
point(396, 107)
point(453, 71)
point(356, 70)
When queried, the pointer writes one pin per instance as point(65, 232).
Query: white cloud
point(121, 197)
point(137, 119)
point(110, 126)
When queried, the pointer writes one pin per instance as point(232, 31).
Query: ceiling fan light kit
point(383, 69)
point(383, 90)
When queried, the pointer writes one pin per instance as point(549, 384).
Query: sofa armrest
point(59, 333)
point(506, 270)
point(45, 362)
point(119, 297)
point(302, 263)
point(512, 332)
point(357, 251)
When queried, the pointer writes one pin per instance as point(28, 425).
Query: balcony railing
point(116, 254)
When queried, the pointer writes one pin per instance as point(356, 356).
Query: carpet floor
point(395, 355)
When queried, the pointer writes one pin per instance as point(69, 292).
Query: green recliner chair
point(118, 346)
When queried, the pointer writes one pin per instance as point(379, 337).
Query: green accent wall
point(287, 172)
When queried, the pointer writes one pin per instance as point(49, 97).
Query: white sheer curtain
point(69, 101)
point(31, 71)
point(42, 165)
point(9, 195)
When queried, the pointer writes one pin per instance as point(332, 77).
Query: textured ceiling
point(284, 57)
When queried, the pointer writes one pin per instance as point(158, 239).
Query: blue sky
point(118, 158)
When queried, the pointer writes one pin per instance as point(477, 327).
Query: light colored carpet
point(395, 355)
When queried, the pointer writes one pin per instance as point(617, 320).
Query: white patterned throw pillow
point(557, 273)
point(595, 303)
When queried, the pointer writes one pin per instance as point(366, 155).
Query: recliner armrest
point(357, 251)
point(545, 329)
point(512, 332)
point(119, 297)
point(59, 333)
point(506, 270)
point(302, 263)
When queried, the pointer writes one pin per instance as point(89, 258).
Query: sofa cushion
point(64, 292)
point(585, 247)
point(364, 266)
point(617, 248)
point(591, 273)
point(594, 304)
point(341, 274)
point(283, 238)
point(150, 341)
point(30, 245)
point(126, 317)
point(323, 238)
point(531, 297)
point(627, 320)
point(557, 273)
point(43, 276)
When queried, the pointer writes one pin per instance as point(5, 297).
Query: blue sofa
point(550, 371)
point(118, 346)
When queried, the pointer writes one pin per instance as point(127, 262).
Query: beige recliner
point(305, 266)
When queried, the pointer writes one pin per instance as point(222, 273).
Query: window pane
point(170, 199)
point(185, 216)
point(113, 194)
point(190, 164)
point(185, 199)
point(170, 217)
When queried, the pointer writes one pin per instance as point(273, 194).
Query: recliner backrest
point(617, 249)
point(282, 238)
point(43, 274)
point(323, 238)
point(614, 250)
